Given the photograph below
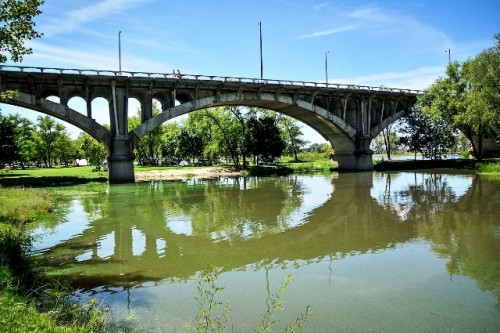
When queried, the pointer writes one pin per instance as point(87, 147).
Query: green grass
point(24, 290)
point(321, 165)
point(18, 314)
point(489, 168)
point(80, 171)
point(42, 177)
point(20, 205)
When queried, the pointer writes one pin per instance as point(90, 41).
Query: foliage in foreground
point(213, 314)
point(28, 301)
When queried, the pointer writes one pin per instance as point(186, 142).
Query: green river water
point(381, 252)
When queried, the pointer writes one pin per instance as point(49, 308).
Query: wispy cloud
point(371, 13)
point(420, 78)
point(327, 32)
point(321, 5)
point(71, 20)
point(52, 56)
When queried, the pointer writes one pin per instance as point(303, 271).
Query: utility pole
point(261, 61)
point(119, 52)
point(326, 67)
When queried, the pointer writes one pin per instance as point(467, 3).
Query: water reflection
point(138, 234)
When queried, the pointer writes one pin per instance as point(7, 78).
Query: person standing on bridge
point(179, 75)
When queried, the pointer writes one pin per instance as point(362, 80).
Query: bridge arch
point(329, 126)
point(62, 112)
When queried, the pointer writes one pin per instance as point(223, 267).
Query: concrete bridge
point(348, 116)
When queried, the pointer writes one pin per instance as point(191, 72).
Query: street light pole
point(326, 67)
point(261, 61)
point(119, 52)
point(449, 66)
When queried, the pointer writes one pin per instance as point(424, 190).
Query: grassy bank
point(29, 302)
point(312, 163)
point(487, 167)
point(44, 177)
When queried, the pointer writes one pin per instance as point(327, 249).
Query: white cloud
point(321, 5)
point(371, 13)
point(71, 20)
point(327, 32)
point(396, 22)
point(420, 78)
point(59, 57)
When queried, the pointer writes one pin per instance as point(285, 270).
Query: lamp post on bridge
point(261, 61)
point(326, 67)
point(119, 52)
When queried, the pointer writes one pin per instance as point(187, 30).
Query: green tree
point(64, 148)
point(148, 149)
point(190, 144)
point(16, 139)
point(228, 133)
point(319, 148)
point(201, 126)
point(263, 137)
point(25, 130)
point(48, 131)
point(241, 131)
point(9, 147)
point(469, 97)
point(432, 137)
point(90, 148)
point(169, 144)
point(291, 133)
point(16, 27)
point(390, 140)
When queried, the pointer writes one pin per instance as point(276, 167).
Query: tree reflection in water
point(458, 214)
point(135, 234)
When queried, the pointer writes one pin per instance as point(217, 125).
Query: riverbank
point(400, 165)
point(29, 301)
point(60, 176)
point(187, 173)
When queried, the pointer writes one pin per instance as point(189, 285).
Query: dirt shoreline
point(186, 173)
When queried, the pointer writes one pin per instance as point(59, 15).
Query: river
point(382, 252)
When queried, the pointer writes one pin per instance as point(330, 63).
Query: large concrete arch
point(328, 125)
point(62, 112)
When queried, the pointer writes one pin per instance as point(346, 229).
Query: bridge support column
point(358, 160)
point(121, 161)
point(355, 161)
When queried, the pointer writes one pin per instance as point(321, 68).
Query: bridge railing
point(198, 77)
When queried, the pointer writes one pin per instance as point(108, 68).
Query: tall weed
point(213, 314)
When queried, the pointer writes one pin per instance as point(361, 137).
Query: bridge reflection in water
point(137, 235)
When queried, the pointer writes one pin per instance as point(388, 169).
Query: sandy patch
point(185, 173)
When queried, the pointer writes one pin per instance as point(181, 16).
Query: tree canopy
point(426, 135)
point(16, 27)
point(469, 96)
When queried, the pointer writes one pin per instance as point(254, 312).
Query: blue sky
point(391, 43)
